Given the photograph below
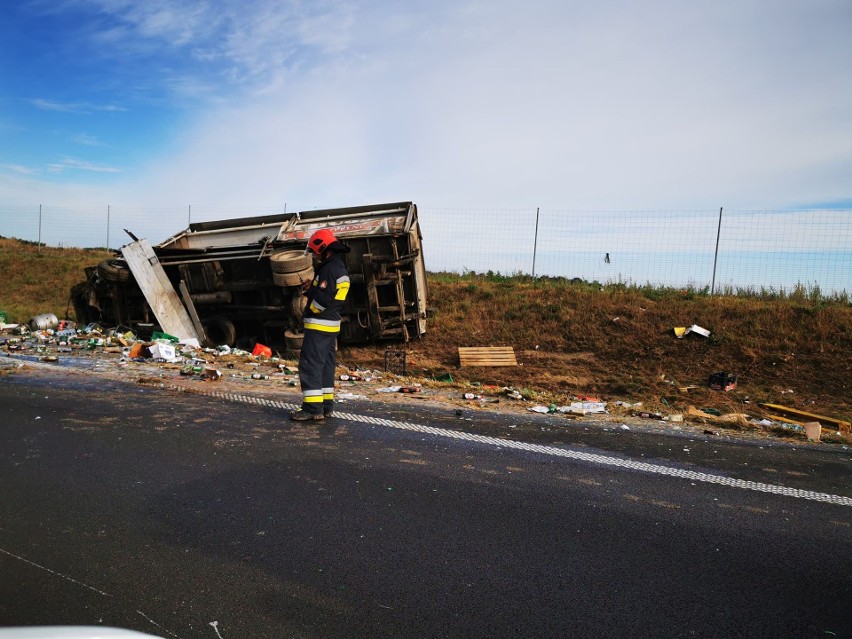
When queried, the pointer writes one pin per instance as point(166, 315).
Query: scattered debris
point(584, 408)
point(813, 430)
point(648, 415)
point(681, 331)
point(722, 381)
point(841, 425)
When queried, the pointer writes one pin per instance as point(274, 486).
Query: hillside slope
point(573, 338)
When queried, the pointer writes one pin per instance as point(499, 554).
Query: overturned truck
point(238, 282)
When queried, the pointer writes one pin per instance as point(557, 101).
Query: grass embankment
point(38, 279)
point(618, 342)
point(574, 338)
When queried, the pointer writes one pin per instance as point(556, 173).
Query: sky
point(464, 104)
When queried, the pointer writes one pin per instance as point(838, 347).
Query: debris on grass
point(681, 331)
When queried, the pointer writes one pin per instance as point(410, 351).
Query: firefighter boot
point(304, 416)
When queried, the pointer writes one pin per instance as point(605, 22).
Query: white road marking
point(594, 458)
point(80, 583)
point(53, 572)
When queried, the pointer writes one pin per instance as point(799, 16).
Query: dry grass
point(617, 342)
point(38, 279)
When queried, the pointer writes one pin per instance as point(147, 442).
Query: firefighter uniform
point(318, 359)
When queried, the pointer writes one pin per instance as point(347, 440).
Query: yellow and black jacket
point(326, 296)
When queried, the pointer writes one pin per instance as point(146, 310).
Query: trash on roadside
point(159, 350)
point(586, 398)
point(722, 381)
point(682, 331)
point(444, 377)
point(539, 409)
point(813, 430)
point(43, 322)
point(212, 374)
point(686, 389)
point(350, 396)
point(676, 417)
point(471, 396)
point(645, 414)
point(389, 389)
point(409, 389)
point(157, 336)
point(583, 408)
point(261, 350)
point(624, 427)
point(841, 425)
point(512, 393)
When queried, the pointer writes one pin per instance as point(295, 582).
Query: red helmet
point(321, 240)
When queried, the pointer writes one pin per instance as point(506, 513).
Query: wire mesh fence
point(714, 249)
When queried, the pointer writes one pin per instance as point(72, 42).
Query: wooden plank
point(487, 356)
point(839, 424)
point(158, 290)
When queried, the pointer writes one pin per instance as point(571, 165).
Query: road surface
point(190, 515)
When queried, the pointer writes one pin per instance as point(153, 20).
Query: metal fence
point(716, 249)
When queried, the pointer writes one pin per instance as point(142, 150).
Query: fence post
point(535, 241)
point(189, 216)
point(716, 255)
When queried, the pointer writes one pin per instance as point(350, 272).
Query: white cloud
point(75, 164)
point(480, 105)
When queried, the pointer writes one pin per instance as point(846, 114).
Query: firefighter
point(325, 297)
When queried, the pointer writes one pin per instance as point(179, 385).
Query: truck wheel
point(293, 279)
point(220, 330)
point(114, 271)
point(293, 340)
point(290, 261)
point(298, 305)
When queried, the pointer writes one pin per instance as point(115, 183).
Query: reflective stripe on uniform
point(317, 308)
point(328, 394)
point(326, 326)
point(342, 287)
point(312, 396)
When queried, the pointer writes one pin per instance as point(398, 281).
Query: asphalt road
point(183, 515)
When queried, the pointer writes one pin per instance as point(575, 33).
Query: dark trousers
point(317, 363)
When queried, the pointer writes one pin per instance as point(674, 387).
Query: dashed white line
point(594, 458)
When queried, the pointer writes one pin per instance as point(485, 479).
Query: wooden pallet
point(487, 356)
point(801, 415)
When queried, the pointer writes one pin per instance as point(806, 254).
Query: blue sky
point(610, 105)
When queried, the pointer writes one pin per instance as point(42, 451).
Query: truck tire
point(293, 340)
point(220, 330)
point(114, 271)
point(295, 278)
point(298, 305)
point(290, 261)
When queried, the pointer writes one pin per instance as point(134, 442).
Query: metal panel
point(158, 290)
